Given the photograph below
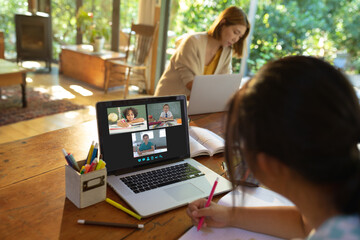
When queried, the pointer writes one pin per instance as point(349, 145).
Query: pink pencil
point(208, 203)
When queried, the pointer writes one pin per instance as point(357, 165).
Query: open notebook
point(204, 142)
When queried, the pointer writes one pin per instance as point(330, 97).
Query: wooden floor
point(62, 87)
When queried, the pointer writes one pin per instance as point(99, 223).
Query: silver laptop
point(149, 164)
point(211, 93)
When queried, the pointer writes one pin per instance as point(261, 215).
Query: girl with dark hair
point(296, 126)
point(205, 53)
point(130, 115)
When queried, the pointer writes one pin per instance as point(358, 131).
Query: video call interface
point(144, 134)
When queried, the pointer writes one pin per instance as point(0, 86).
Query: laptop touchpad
point(184, 191)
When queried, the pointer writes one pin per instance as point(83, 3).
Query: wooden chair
point(133, 69)
point(123, 42)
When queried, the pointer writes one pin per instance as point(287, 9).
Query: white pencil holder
point(85, 189)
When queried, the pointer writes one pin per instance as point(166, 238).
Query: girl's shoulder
point(339, 227)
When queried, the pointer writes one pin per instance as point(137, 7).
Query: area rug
point(38, 105)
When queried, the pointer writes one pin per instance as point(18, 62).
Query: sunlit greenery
point(102, 14)
point(8, 9)
point(63, 24)
point(321, 28)
point(64, 20)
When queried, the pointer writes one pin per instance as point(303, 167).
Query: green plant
point(7, 24)
point(92, 27)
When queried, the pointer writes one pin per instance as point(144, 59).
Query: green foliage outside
point(8, 9)
point(99, 24)
point(320, 28)
point(63, 24)
point(92, 27)
point(64, 21)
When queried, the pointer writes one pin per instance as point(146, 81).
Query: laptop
point(149, 164)
point(211, 93)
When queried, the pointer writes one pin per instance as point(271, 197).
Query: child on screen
point(146, 146)
point(166, 114)
point(130, 115)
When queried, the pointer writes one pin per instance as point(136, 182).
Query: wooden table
point(32, 190)
point(12, 74)
point(81, 63)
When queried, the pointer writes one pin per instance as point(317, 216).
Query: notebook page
point(224, 233)
point(253, 197)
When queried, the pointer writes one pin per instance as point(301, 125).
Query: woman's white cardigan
point(188, 61)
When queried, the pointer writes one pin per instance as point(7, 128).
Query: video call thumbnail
point(162, 115)
point(127, 119)
point(149, 142)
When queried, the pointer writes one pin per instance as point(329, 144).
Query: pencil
point(122, 208)
point(110, 224)
point(207, 204)
point(90, 152)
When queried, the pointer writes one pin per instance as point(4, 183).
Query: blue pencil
point(74, 163)
point(88, 157)
point(94, 154)
point(68, 160)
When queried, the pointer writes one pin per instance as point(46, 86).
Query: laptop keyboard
point(161, 177)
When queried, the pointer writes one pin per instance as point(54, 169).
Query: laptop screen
point(140, 132)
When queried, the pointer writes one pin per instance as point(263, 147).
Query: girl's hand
point(215, 215)
point(122, 123)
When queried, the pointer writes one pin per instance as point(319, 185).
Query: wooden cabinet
point(81, 63)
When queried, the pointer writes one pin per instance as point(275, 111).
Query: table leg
point(48, 65)
point(23, 90)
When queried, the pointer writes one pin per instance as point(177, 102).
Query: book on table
point(204, 142)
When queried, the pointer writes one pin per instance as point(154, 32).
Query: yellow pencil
point(90, 152)
point(119, 206)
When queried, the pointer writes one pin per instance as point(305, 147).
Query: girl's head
point(305, 113)
point(231, 27)
point(130, 113)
